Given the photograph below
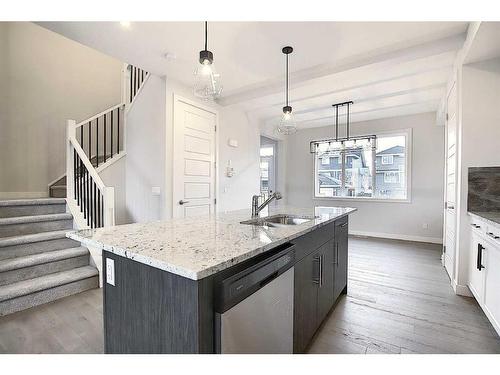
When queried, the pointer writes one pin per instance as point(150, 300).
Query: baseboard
point(23, 195)
point(403, 237)
point(461, 290)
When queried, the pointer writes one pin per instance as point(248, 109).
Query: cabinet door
point(341, 255)
point(305, 301)
point(476, 272)
point(492, 285)
point(326, 279)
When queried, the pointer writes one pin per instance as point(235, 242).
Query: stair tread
point(37, 284)
point(31, 202)
point(31, 238)
point(42, 258)
point(34, 218)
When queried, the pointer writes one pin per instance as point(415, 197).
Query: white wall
point(49, 79)
point(479, 139)
point(145, 147)
point(394, 220)
point(114, 175)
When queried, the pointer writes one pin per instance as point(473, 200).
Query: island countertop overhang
point(198, 247)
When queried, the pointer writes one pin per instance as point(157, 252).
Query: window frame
point(408, 171)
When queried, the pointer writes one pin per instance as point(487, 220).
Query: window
point(325, 161)
point(267, 165)
point(365, 173)
point(387, 159)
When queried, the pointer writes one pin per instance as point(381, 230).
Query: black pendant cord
point(348, 121)
point(206, 35)
point(286, 95)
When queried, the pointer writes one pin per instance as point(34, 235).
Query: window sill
point(360, 199)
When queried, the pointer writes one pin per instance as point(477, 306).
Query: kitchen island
point(170, 290)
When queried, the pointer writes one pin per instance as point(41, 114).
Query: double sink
point(279, 220)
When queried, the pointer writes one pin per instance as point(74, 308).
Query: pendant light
point(343, 144)
point(207, 81)
point(287, 123)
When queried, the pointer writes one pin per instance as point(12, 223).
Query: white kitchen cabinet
point(476, 272)
point(484, 267)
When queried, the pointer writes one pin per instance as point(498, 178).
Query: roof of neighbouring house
point(330, 181)
point(392, 150)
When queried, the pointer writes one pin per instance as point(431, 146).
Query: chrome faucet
point(255, 202)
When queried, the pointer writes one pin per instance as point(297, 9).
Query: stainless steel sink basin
point(279, 220)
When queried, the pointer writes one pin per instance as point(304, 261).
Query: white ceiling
point(386, 68)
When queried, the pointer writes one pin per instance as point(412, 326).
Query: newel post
point(109, 206)
point(70, 135)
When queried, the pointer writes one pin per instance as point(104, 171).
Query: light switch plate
point(110, 271)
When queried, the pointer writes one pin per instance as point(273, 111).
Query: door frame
point(453, 86)
point(181, 99)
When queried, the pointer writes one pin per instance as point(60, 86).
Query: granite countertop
point(493, 217)
point(202, 246)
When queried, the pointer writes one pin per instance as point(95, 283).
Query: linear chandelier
point(342, 144)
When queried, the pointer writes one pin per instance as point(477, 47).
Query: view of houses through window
point(362, 172)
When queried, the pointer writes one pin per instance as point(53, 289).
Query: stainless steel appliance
point(256, 307)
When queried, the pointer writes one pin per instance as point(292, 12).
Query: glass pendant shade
point(207, 84)
point(287, 124)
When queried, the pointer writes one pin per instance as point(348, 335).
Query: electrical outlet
point(425, 226)
point(110, 271)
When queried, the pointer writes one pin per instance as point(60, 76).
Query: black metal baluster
point(111, 146)
point(84, 193)
point(88, 197)
point(94, 215)
point(97, 142)
point(142, 76)
point(135, 81)
point(81, 137)
point(98, 208)
point(74, 174)
point(118, 134)
point(90, 140)
point(91, 205)
point(130, 84)
point(80, 183)
point(105, 131)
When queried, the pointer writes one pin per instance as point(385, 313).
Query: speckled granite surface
point(492, 217)
point(199, 247)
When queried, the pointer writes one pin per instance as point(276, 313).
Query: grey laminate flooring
point(399, 301)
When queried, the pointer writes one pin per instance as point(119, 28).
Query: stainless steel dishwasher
point(256, 307)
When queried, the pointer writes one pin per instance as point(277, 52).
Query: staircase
point(38, 264)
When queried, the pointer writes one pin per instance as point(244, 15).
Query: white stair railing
point(85, 189)
point(92, 143)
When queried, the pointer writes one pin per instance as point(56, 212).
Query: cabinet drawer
point(311, 241)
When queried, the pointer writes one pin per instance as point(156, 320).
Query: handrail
point(88, 205)
point(84, 122)
point(93, 174)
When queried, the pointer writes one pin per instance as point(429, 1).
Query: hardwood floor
point(399, 301)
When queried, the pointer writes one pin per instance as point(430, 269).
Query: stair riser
point(31, 210)
point(57, 193)
point(42, 269)
point(47, 295)
point(16, 251)
point(31, 228)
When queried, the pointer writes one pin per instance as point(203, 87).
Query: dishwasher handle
point(237, 287)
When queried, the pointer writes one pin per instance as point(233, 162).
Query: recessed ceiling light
point(125, 24)
point(170, 56)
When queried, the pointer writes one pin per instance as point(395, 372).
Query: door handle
point(480, 249)
point(181, 202)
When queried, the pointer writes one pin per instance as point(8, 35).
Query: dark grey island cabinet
point(149, 310)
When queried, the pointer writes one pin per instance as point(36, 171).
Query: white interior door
point(194, 160)
point(451, 180)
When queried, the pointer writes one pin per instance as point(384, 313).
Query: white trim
point(178, 98)
point(391, 236)
point(23, 194)
point(86, 121)
point(461, 290)
point(54, 181)
point(408, 133)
